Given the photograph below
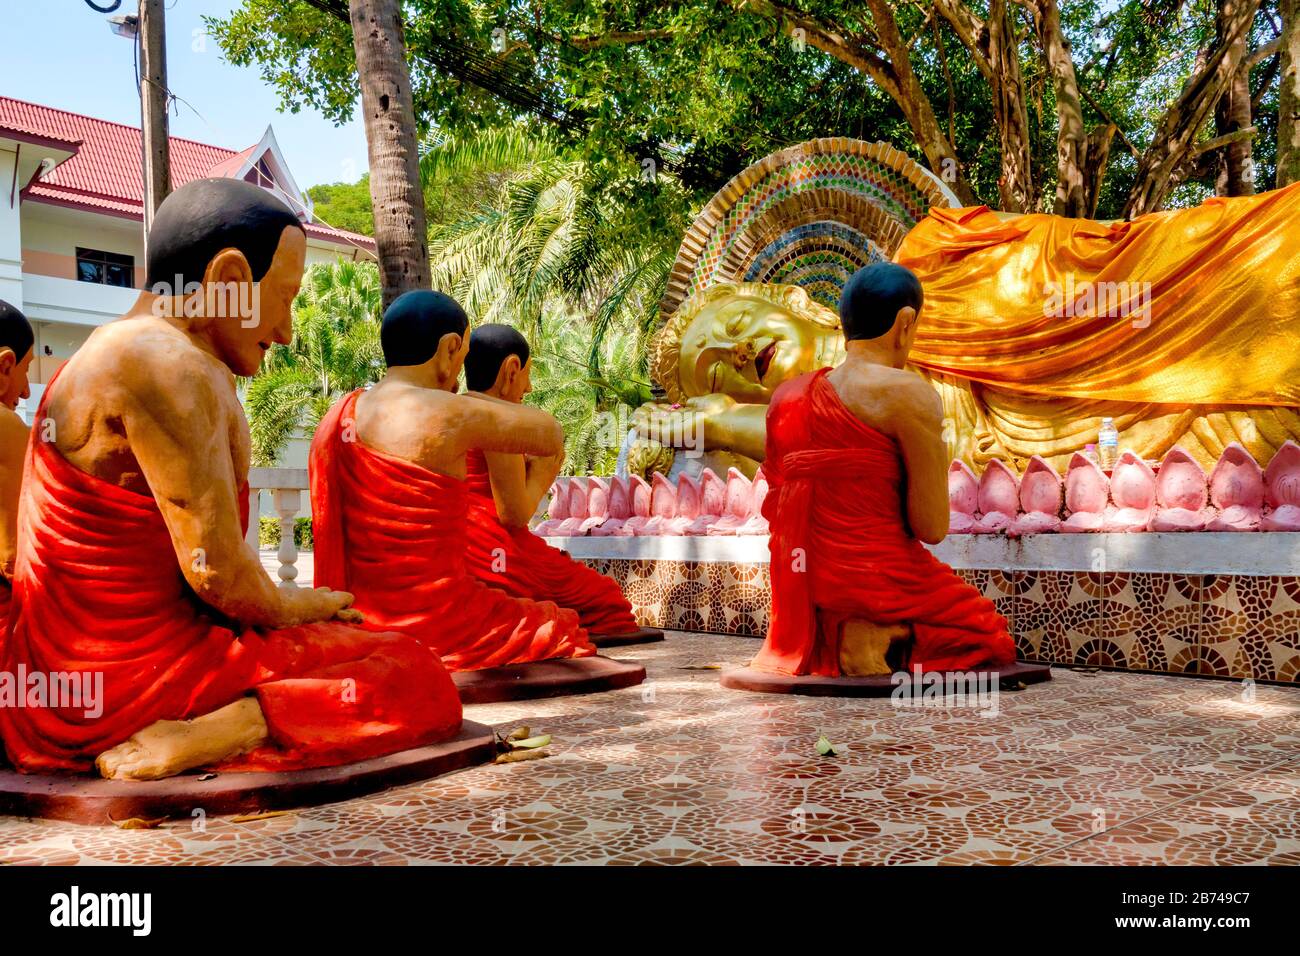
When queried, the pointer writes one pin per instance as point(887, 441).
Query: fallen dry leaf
point(139, 823)
point(516, 755)
point(531, 743)
point(250, 817)
point(519, 733)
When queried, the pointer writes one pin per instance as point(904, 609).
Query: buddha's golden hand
point(693, 424)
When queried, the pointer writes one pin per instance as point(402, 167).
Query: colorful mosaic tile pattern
point(819, 257)
point(809, 215)
point(1101, 767)
point(1214, 625)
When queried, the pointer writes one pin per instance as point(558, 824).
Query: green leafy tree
point(578, 272)
point(335, 349)
point(594, 412)
point(1106, 107)
point(344, 205)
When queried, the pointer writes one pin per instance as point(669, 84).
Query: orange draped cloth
point(1140, 311)
point(841, 549)
point(97, 591)
point(523, 565)
point(394, 534)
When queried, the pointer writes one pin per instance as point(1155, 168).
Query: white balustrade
point(287, 487)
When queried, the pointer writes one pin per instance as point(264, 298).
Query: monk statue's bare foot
point(169, 747)
point(863, 646)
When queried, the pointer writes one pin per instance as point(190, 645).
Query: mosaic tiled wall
point(1220, 625)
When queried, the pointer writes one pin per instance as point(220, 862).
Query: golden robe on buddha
point(1183, 326)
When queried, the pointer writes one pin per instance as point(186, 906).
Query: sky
point(62, 53)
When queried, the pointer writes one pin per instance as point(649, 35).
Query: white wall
point(11, 267)
point(61, 230)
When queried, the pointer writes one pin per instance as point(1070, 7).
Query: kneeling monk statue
point(858, 480)
point(504, 491)
point(390, 504)
point(16, 351)
point(133, 575)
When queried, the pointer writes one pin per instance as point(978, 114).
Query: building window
point(106, 268)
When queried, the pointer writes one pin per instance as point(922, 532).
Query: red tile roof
point(105, 174)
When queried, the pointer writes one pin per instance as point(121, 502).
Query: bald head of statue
point(498, 362)
point(426, 331)
point(16, 353)
point(225, 259)
point(881, 299)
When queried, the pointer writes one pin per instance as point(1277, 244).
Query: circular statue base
point(642, 635)
point(763, 682)
point(554, 678)
point(87, 799)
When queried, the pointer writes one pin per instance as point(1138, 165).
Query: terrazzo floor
point(1090, 768)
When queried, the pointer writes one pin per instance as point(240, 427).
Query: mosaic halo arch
point(809, 215)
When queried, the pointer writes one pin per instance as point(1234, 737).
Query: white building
point(71, 241)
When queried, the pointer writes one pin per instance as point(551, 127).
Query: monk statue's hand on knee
point(307, 606)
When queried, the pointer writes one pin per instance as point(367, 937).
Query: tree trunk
point(1072, 198)
point(1288, 100)
point(894, 76)
point(1011, 112)
point(992, 44)
point(1173, 148)
point(916, 107)
point(1236, 168)
point(1094, 166)
point(400, 230)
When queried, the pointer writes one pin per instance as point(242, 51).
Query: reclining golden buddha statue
point(1182, 326)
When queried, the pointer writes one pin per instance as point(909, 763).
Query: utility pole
point(153, 108)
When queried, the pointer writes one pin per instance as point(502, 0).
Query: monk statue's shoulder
point(148, 363)
point(915, 396)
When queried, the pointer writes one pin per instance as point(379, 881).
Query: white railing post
point(287, 503)
point(254, 535)
point(287, 486)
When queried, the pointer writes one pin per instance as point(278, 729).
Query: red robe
point(97, 590)
point(837, 490)
point(523, 565)
point(394, 534)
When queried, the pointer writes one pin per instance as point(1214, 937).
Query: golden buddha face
point(746, 340)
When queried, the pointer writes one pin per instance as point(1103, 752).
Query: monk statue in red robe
point(391, 506)
point(134, 584)
point(504, 492)
point(16, 350)
point(857, 471)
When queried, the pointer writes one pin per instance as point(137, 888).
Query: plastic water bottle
point(1108, 443)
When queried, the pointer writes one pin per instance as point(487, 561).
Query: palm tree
point(335, 349)
point(395, 190)
point(594, 412)
point(544, 252)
